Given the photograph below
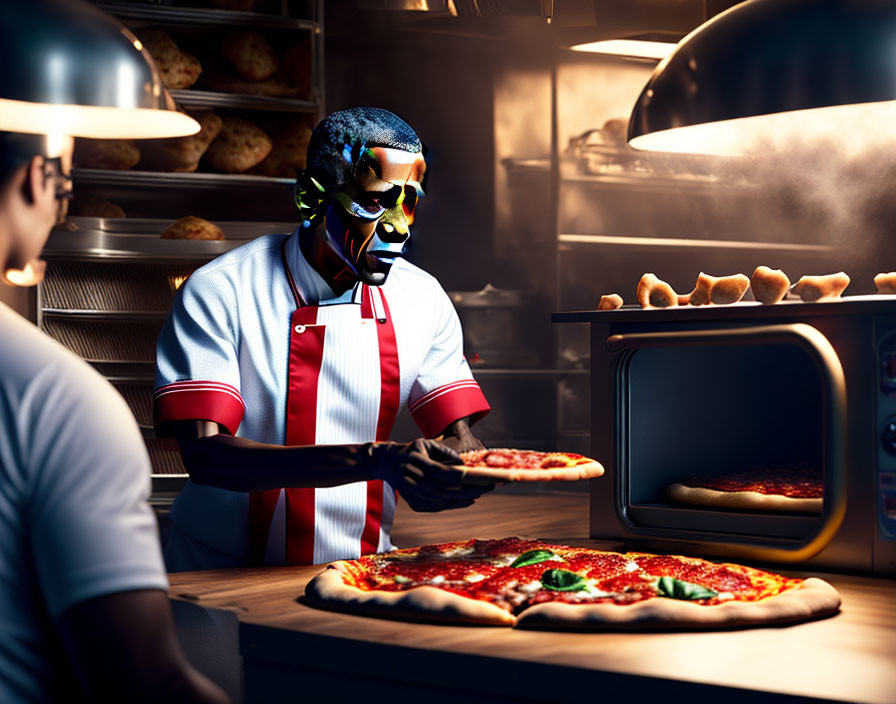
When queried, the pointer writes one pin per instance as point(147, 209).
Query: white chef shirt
point(74, 520)
point(223, 355)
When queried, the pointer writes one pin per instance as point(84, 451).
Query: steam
point(824, 190)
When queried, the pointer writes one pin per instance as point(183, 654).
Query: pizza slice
point(797, 487)
point(505, 464)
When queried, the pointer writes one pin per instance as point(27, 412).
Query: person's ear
point(34, 180)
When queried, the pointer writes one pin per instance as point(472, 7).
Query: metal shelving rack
point(109, 282)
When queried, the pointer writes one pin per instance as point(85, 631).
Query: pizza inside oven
point(529, 583)
point(795, 488)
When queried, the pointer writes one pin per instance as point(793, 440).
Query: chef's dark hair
point(337, 144)
point(17, 149)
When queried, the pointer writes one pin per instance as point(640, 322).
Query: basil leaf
point(401, 579)
point(532, 557)
point(563, 581)
point(679, 589)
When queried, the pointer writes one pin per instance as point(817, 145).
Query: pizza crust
point(741, 499)
point(424, 603)
point(814, 598)
point(587, 470)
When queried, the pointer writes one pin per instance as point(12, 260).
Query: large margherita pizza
point(528, 583)
point(797, 487)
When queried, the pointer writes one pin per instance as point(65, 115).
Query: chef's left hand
point(460, 438)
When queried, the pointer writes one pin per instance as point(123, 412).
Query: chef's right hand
point(426, 474)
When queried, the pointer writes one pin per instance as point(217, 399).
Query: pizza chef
point(284, 363)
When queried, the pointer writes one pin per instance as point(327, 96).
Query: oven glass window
point(723, 417)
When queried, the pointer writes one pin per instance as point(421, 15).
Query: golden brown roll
point(886, 283)
point(655, 293)
point(611, 301)
point(181, 153)
point(273, 87)
point(769, 285)
point(720, 290)
point(90, 206)
point(295, 67)
point(821, 288)
point(178, 69)
point(117, 154)
point(239, 146)
point(193, 228)
point(615, 131)
point(702, 293)
point(729, 289)
point(290, 146)
point(250, 54)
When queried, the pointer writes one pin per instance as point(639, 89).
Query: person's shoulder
point(261, 250)
point(31, 359)
point(407, 275)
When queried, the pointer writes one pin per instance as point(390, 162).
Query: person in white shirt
point(283, 364)
point(83, 608)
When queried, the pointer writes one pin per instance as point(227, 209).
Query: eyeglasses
point(64, 192)
point(53, 168)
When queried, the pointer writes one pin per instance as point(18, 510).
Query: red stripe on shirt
point(390, 399)
point(442, 406)
point(199, 400)
point(306, 352)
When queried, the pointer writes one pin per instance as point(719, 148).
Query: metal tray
point(170, 179)
point(140, 239)
point(211, 99)
point(191, 15)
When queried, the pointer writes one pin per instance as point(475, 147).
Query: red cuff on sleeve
point(442, 406)
point(199, 400)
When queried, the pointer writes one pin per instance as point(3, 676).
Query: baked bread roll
point(181, 153)
point(89, 206)
point(615, 131)
point(886, 283)
point(193, 228)
point(117, 154)
point(239, 146)
point(720, 290)
point(273, 87)
point(250, 54)
point(611, 301)
point(769, 285)
point(654, 293)
point(729, 289)
point(821, 288)
point(290, 147)
point(178, 69)
point(295, 68)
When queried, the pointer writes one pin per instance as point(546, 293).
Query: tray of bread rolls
point(146, 239)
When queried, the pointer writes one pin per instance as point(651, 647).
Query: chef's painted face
point(368, 221)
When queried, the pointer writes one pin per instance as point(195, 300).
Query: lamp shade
point(71, 69)
point(767, 65)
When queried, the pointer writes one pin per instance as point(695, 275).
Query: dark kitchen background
point(534, 201)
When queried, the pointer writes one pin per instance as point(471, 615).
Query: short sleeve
point(445, 390)
point(92, 530)
point(197, 368)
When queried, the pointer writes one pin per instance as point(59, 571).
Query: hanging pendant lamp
point(69, 68)
point(767, 68)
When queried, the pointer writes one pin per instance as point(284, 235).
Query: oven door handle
point(833, 380)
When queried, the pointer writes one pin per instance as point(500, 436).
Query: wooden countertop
point(849, 657)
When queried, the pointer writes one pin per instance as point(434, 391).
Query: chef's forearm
point(240, 464)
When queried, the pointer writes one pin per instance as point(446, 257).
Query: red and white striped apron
point(306, 354)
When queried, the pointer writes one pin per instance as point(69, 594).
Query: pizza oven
point(691, 394)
